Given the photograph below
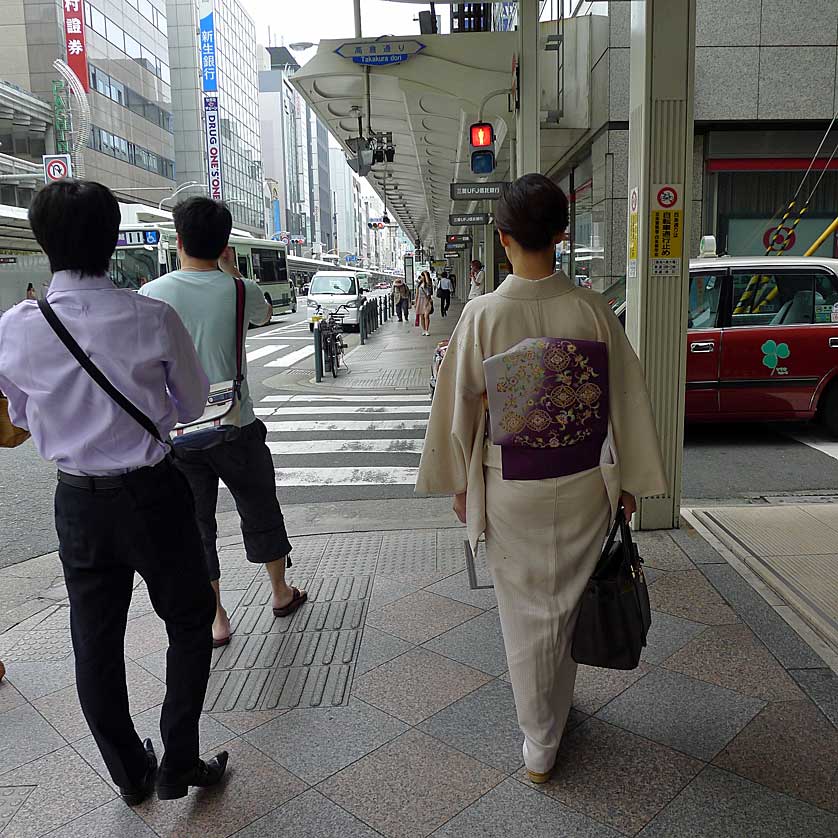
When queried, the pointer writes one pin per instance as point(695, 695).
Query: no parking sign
point(57, 167)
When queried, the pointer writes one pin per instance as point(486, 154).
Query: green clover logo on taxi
point(773, 353)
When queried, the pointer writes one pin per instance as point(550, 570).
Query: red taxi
point(762, 343)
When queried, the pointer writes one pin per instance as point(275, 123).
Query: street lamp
point(301, 46)
point(190, 184)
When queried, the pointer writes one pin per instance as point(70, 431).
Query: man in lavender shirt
point(120, 505)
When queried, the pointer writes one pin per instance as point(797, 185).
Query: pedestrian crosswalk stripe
point(343, 398)
point(362, 476)
point(264, 351)
point(319, 410)
point(292, 357)
point(346, 446)
point(285, 336)
point(370, 426)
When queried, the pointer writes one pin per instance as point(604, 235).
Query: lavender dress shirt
point(141, 346)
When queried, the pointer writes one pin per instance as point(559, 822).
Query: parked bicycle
point(331, 337)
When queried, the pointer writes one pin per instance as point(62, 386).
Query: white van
point(331, 289)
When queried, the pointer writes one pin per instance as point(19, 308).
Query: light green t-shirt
point(206, 303)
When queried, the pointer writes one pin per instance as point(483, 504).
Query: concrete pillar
point(489, 257)
point(528, 119)
point(660, 204)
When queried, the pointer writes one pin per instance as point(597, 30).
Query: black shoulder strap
point(239, 327)
point(94, 372)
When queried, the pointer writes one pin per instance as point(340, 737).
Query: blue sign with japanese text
point(209, 79)
point(378, 53)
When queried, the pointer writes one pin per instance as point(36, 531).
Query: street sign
point(666, 229)
point(454, 238)
point(457, 246)
point(380, 53)
point(476, 191)
point(57, 167)
point(468, 219)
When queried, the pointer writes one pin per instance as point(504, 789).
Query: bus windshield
point(133, 267)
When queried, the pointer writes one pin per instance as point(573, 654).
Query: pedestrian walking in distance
point(401, 298)
point(203, 293)
point(425, 302)
point(99, 376)
point(572, 437)
point(477, 277)
point(444, 291)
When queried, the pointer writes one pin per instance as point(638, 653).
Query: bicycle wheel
point(327, 351)
point(333, 354)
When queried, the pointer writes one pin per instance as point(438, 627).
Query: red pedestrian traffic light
point(482, 134)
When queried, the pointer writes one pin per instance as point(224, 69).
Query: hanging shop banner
point(213, 129)
point(74, 40)
point(469, 219)
point(476, 191)
point(666, 229)
point(206, 16)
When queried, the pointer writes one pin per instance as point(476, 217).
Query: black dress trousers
point(146, 525)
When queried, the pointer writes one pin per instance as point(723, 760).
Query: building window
point(122, 95)
point(116, 36)
point(107, 143)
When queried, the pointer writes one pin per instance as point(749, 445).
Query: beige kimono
point(543, 537)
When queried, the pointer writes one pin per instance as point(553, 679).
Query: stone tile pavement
point(383, 708)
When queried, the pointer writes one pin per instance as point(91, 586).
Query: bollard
point(384, 308)
point(362, 325)
point(318, 354)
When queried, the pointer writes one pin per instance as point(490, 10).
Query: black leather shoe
point(204, 774)
point(134, 795)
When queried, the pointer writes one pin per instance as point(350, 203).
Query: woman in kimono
point(569, 437)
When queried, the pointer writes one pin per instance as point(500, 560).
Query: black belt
point(115, 481)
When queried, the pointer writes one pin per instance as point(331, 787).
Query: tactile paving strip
point(350, 553)
point(11, 799)
point(408, 553)
point(41, 647)
point(305, 660)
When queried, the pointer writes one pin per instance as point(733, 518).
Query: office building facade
point(219, 61)
point(296, 159)
point(119, 48)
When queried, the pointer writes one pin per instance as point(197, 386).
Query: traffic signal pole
point(660, 199)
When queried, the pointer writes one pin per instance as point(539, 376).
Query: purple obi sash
point(548, 406)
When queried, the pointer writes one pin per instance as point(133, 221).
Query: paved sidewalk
point(382, 708)
point(395, 358)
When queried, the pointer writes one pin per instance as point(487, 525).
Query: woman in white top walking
point(478, 279)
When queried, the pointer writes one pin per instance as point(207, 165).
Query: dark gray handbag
point(615, 614)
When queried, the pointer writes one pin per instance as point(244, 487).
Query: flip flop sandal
point(297, 600)
point(224, 641)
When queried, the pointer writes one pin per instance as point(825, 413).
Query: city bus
point(146, 251)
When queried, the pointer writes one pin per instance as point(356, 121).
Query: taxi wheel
point(829, 409)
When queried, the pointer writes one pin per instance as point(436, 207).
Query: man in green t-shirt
point(204, 296)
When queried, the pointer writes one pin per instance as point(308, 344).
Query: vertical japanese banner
point(209, 86)
point(74, 40)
